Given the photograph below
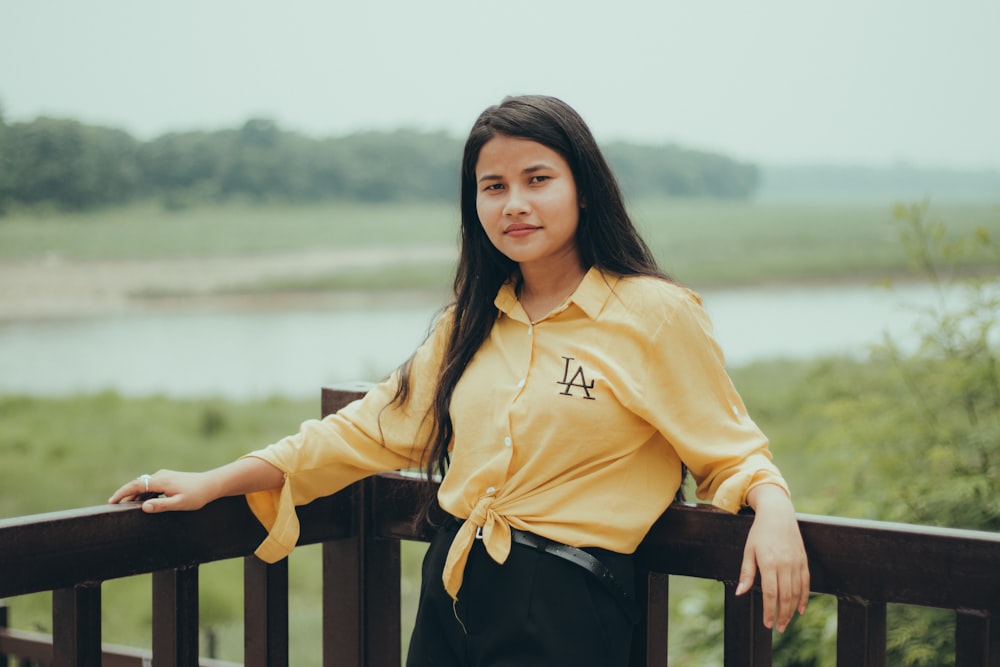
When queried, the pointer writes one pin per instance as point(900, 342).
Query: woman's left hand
point(774, 546)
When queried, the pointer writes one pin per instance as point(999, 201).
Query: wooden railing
point(864, 564)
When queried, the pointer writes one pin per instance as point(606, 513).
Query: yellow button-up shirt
point(573, 427)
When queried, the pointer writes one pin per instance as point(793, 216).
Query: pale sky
point(868, 82)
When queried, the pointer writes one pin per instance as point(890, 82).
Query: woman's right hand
point(168, 490)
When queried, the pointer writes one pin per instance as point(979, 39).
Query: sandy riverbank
point(54, 287)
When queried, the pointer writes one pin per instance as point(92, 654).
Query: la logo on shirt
point(578, 380)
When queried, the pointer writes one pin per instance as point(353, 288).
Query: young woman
point(560, 398)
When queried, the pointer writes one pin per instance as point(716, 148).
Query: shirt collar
point(590, 295)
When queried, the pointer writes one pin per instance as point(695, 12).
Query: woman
point(560, 398)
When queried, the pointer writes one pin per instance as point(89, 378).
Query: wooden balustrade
point(864, 564)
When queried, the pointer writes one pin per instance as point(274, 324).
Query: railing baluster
point(382, 602)
point(4, 624)
point(861, 633)
point(649, 643)
point(343, 642)
point(747, 641)
point(265, 613)
point(175, 617)
point(977, 640)
point(76, 626)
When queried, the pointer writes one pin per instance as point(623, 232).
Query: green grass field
point(146, 230)
point(701, 242)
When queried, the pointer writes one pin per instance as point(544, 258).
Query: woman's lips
point(519, 229)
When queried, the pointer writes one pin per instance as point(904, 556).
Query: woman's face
point(527, 202)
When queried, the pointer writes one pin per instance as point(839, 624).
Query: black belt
point(584, 559)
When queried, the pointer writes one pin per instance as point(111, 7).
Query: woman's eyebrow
point(541, 166)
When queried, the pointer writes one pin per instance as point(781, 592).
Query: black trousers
point(535, 610)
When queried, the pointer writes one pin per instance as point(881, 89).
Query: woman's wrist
point(242, 476)
point(768, 495)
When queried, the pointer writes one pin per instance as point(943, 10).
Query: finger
point(788, 597)
point(798, 595)
point(159, 504)
point(127, 492)
point(748, 571)
point(806, 583)
point(169, 502)
point(769, 590)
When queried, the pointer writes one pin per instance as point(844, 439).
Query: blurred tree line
point(73, 166)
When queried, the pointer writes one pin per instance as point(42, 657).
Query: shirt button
point(520, 384)
point(530, 329)
point(492, 489)
point(507, 442)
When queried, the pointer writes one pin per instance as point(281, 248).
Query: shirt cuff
point(732, 494)
point(276, 512)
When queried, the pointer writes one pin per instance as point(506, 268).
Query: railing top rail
point(58, 549)
point(871, 560)
point(864, 560)
point(934, 532)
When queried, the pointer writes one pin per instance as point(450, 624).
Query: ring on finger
point(145, 480)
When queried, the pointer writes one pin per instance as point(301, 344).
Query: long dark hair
point(605, 238)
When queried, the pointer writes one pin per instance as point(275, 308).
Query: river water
point(293, 353)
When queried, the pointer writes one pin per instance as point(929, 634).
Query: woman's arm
point(774, 546)
point(193, 490)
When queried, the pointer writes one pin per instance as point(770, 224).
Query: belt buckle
point(479, 532)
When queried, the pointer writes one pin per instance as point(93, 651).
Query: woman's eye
point(539, 178)
point(493, 187)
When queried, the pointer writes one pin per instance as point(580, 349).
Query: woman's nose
point(516, 203)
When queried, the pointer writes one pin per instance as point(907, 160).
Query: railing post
point(175, 617)
point(265, 613)
point(361, 599)
point(861, 633)
point(747, 641)
point(76, 626)
point(977, 640)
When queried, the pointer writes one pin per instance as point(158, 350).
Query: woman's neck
point(542, 291)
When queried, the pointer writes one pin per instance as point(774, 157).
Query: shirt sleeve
point(691, 400)
point(370, 435)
